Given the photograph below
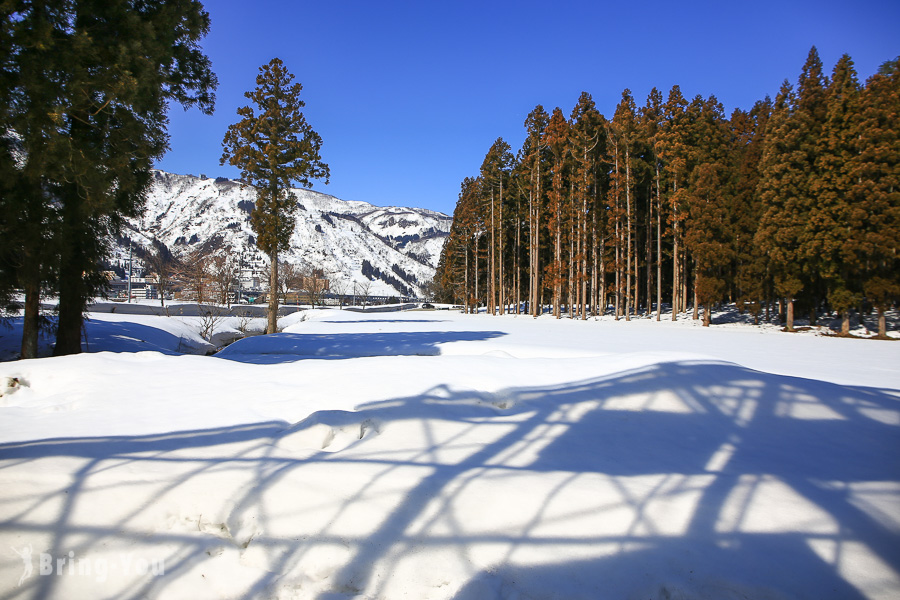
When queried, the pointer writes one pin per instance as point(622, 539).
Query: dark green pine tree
point(91, 86)
point(7, 157)
point(833, 243)
point(28, 219)
point(274, 146)
point(29, 223)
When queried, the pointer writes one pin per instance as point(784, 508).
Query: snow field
point(438, 455)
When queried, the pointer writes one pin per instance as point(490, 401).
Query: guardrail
point(392, 308)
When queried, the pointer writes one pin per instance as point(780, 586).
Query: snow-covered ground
point(120, 332)
point(430, 454)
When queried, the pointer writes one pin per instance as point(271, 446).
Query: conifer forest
point(791, 207)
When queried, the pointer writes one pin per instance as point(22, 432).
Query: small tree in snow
point(195, 272)
point(338, 287)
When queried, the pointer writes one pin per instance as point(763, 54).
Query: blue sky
point(409, 96)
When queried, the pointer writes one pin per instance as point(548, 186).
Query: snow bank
point(437, 455)
point(111, 332)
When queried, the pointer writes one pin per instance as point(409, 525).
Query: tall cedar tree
point(556, 137)
point(495, 171)
point(750, 266)
point(88, 84)
point(708, 233)
point(535, 156)
point(457, 258)
point(875, 210)
point(650, 123)
point(624, 130)
point(788, 171)
point(832, 241)
point(673, 149)
point(274, 146)
point(783, 209)
point(810, 114)
point(586, 138)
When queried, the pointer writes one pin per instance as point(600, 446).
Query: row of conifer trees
point(794, 203)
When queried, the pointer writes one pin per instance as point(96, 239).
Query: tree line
point(794, 203)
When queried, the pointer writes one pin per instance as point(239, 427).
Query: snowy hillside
point(335, 235)
point(434, 455)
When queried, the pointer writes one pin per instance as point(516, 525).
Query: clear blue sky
point(409, 96)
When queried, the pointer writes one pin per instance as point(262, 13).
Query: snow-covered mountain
point(343, 238)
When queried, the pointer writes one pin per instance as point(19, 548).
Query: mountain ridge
point(340, 237)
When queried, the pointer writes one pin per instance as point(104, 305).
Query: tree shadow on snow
point(290, 347)
point(125, 336)
point(376, 320)
point(105, 336)
point(690, 461)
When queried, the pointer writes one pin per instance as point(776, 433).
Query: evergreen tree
point(90, 82)
point(274, 146)
point(832, 248)
point(455, 265)
point(651, 120)
point(747, 131)
point(518, 196)
point(786, 187)
point(28, 217)
point(673, 149)
point(708, 234)
point(7, 158)
point(535, 158)
point(29, 222)
point(875, 212)
point(556, 137)
point(586, 141)
point(810, 115)
point(781, 187)
point(624, 128)
point(495, 171)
